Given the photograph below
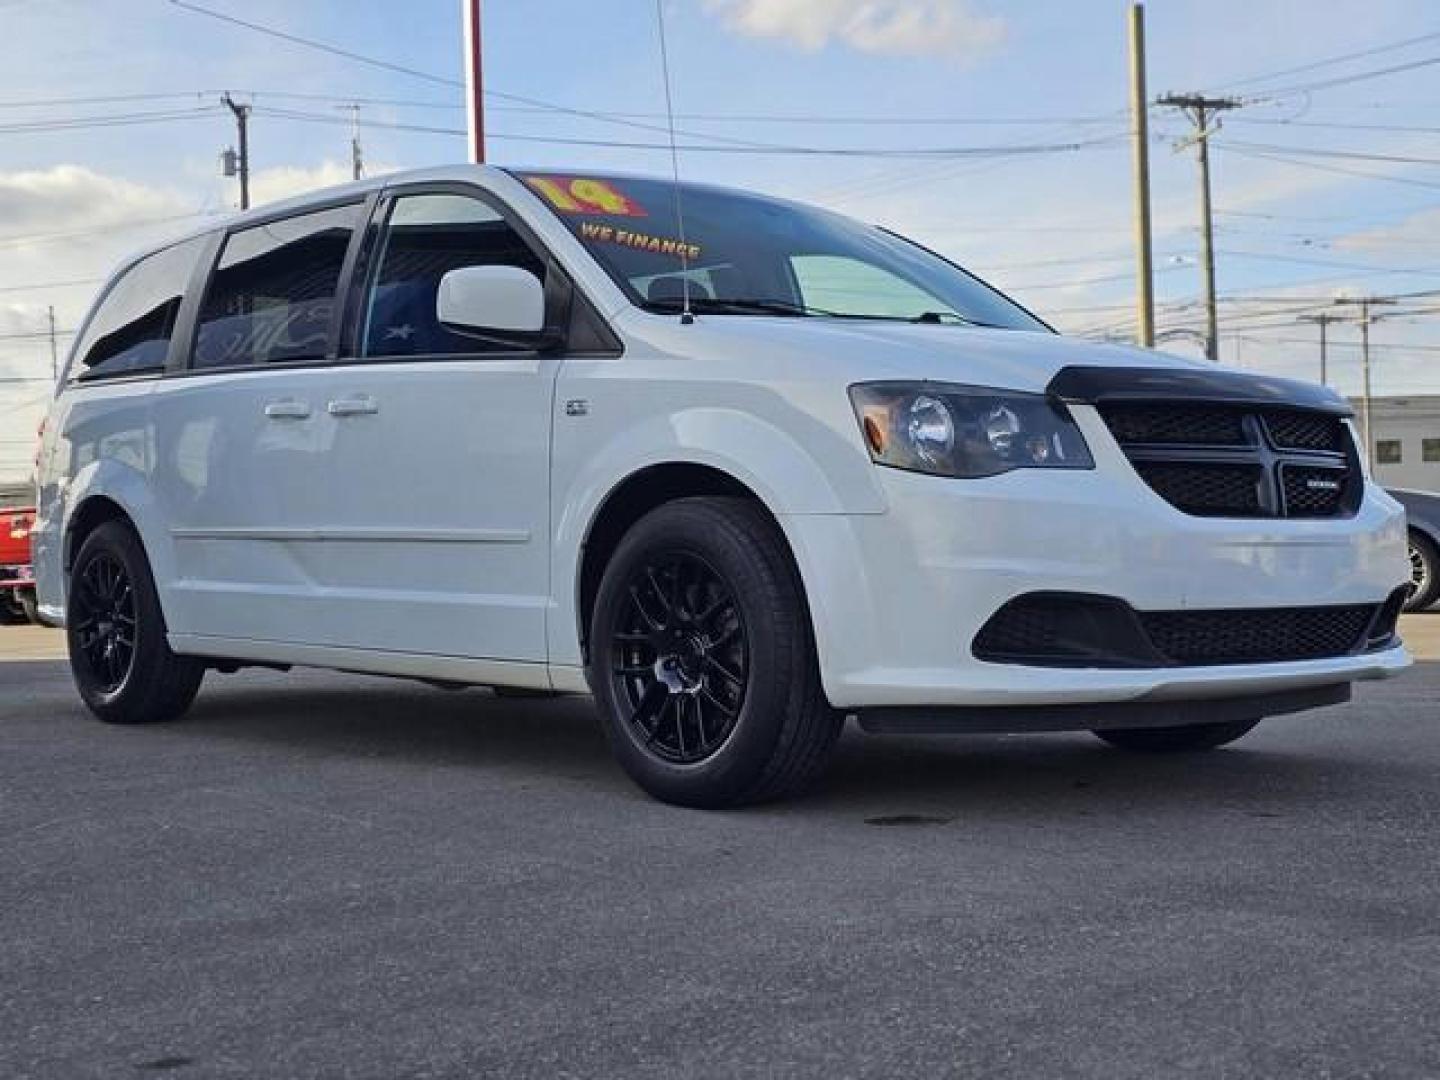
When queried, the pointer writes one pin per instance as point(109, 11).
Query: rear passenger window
point(130, 332)
point(427, 236)
point(272, 296)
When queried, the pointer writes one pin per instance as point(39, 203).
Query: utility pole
point(1323, 320)
point(54, 348)
point(357, 158)
point(1202, 110)
point(242, 122)
point(1365, 303)
point(474, 84)
point(1140, 151)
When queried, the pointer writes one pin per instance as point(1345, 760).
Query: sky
point(994, 131)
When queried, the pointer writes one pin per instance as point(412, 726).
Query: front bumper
point(14, 578)
point(899, 597)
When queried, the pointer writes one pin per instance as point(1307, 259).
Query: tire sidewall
point(120, 543)
point(771, 652)
point(1424, 599)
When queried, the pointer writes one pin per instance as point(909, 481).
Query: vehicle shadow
point(1335, 751)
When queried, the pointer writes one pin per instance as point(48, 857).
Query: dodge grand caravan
point(739, 467)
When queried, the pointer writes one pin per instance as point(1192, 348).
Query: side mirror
point(491, 299)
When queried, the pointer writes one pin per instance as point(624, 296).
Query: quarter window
point(130, 332)
point(1387, 452)
point(272, 296)
point(428, 236)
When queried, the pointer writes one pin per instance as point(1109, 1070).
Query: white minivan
point(737, 466)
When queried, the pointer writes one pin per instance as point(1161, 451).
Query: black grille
point(1206, 490)
point(1086, 630)
point(1243, 461)
point(1312, 492)
point(1238, 637)
point(1175, 425)
point(1294, 430)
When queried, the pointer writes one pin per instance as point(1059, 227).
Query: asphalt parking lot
point(322, 875)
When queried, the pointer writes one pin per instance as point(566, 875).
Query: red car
point(17, 579)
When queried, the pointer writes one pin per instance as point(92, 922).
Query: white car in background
point(738, 466)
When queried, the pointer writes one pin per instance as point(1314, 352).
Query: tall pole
point(242, 123)
point(474, 83)
point(1207, 244)
point(1140, 150)
point(1365, 303)
point(1323, 320)
point(54, 348)
point(357, 158)
point(1202, 111)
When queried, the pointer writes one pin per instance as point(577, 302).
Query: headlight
point(969, 431)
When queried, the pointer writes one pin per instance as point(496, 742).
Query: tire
point(30, 607)
point(1425, 572)
point(701, 627)
point(122, 664)
point(11, 613)
point(1186, 738)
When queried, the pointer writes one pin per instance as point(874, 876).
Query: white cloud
point(895, 27)
point(69, 197)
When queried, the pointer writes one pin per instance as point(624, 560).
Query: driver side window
point(425, 237)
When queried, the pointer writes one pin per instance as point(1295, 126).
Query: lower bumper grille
point(1082, 630)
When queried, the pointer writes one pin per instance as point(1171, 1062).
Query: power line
point(1339, 80)
point(1005, 150)
point(1339, 59)
point(1340, 169)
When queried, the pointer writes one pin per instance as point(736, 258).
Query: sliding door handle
point(364, 405)
point(288, 409)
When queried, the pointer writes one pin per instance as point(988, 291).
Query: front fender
point(828, 477)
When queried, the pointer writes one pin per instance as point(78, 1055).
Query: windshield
point(749, 255)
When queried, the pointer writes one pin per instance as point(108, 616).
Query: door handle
point(364, 405)
point(287, 410)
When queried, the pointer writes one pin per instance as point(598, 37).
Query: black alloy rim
point(105, 620)
point(680, 663)
point(1419, 570)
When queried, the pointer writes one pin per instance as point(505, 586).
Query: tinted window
point(272, 296)
point(427, 236)
point(749, 255)
point(131, 329)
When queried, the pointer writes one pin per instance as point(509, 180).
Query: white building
point(1407, 440)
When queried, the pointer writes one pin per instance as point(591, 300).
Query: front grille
point(1312, 492)
point(1206, 490)
point(1296, 430)
point(1241, 461)
point(1241, 637)
point(1175, 425)
point(1086, 630)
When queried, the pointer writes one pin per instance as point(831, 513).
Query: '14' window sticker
point(585, 195)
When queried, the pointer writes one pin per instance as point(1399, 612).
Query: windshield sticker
point(637, 241)
point(585, 195)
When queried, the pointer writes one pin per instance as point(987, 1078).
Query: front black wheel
point(703, 662)
point(1185, 738)
point(121, 661)
point(1424, 572)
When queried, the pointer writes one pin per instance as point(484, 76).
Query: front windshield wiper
point(738, 305)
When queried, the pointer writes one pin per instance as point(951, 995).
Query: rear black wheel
point(121, 661)
point(1424, 572)
point(703, 662)
point(1185, 738)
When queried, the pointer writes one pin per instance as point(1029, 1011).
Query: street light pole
point(1365, 303)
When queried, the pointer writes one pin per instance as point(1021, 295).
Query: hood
point(859, 350)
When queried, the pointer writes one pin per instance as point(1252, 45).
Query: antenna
point(686, 315)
